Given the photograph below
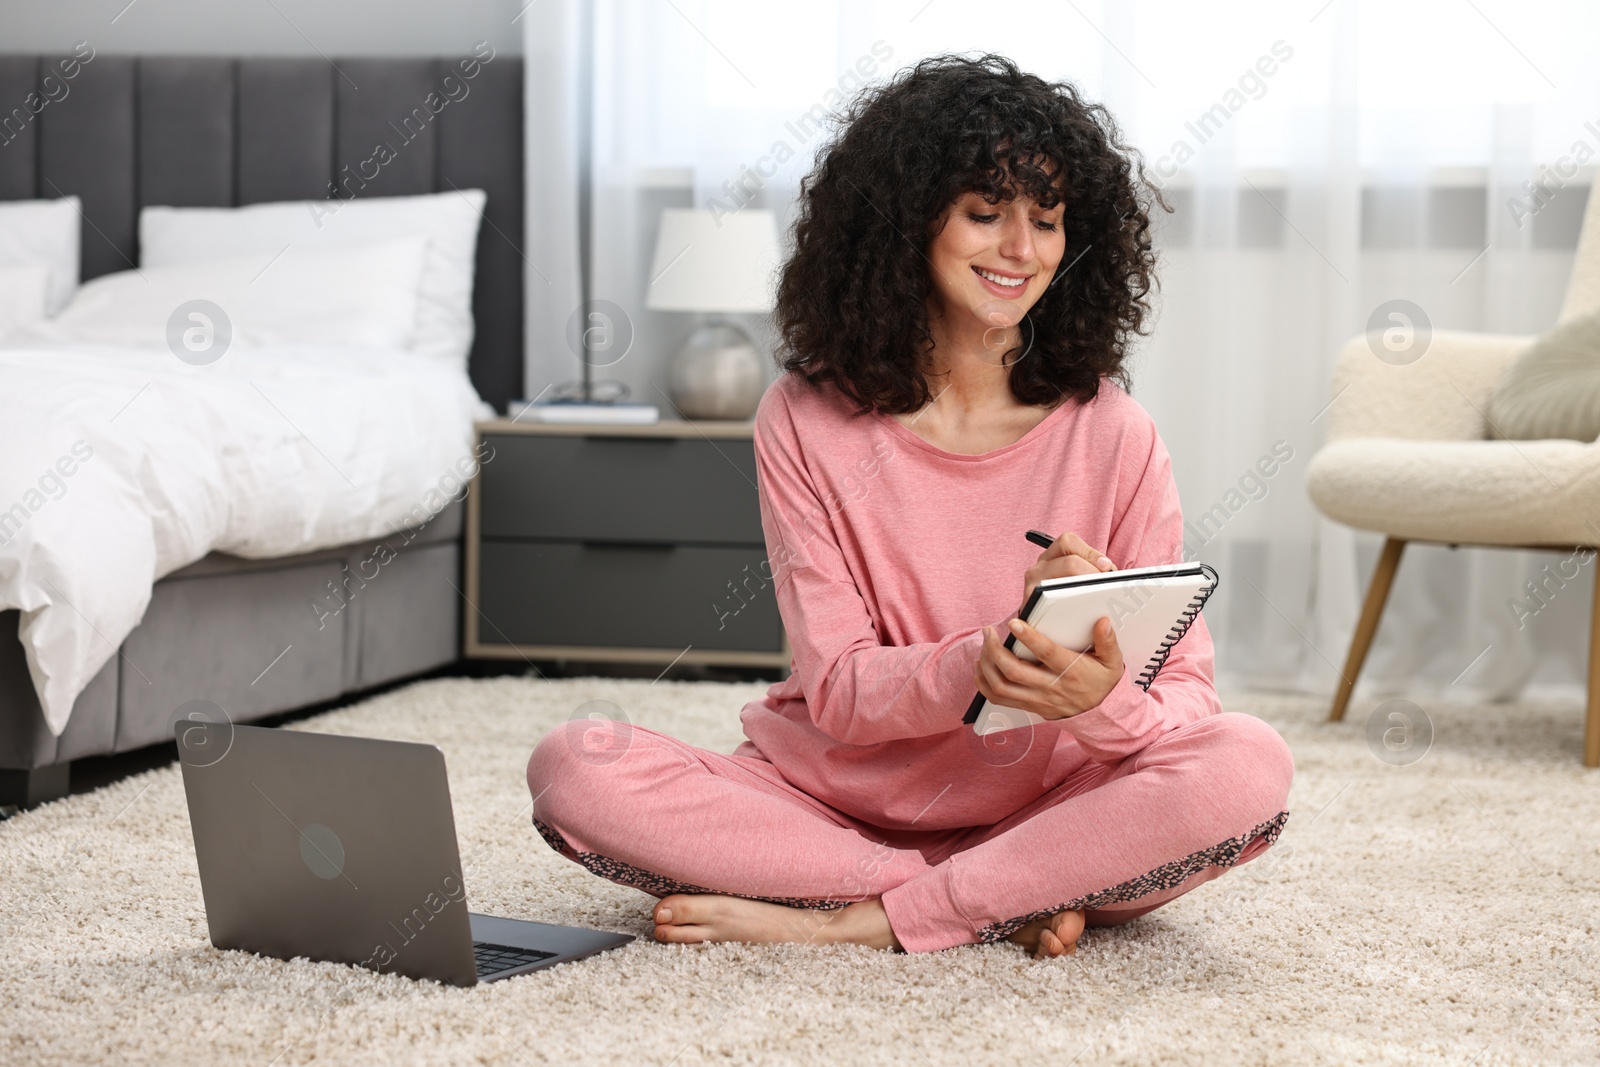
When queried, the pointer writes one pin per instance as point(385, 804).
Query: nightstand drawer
point(569, 594)
point(630, 489)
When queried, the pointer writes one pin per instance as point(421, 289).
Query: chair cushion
point(1552, 389)
point(1466, 492)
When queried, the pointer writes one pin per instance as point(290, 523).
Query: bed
point(345, 575)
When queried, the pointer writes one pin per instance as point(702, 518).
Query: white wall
point(257, 27)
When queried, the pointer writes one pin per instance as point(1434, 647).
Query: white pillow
point(358, 296)
point(169, 235)
point(43, 231)
point(23, 295)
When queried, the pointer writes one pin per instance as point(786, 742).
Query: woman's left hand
point(1062, 684)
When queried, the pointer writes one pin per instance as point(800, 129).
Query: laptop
point(343, 849)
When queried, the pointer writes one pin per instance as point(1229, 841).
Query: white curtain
point(1324, 157)
point(554, 150)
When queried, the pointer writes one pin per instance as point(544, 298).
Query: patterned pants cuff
point(659, 885)
point(1166, 876)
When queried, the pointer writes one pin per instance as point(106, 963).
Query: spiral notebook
point(1150, 608)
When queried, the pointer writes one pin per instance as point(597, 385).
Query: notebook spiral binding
point(1158, 659)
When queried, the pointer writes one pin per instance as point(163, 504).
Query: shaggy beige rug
point(1432, 910)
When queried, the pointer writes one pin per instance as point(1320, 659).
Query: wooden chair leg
point(1591, 733)
point(1371, 612)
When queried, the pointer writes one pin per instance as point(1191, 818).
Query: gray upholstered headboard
point(129, 131)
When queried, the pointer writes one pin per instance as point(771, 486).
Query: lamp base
point(717, 374)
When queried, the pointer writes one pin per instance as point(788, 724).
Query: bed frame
point(123, 132)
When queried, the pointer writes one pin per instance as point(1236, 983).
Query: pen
point(1044, 540)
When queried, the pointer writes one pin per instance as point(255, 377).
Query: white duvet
point(119, 466)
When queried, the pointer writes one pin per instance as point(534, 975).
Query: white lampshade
point(703, 263)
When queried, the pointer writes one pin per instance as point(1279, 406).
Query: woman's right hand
point(1069, 555)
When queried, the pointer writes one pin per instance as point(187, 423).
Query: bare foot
point(1055, 936)
point(689, 919)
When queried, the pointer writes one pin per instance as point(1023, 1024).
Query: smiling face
point(992, 262)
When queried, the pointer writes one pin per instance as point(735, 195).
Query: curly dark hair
point(851, 302)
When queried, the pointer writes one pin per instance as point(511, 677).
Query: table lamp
point(718, 266)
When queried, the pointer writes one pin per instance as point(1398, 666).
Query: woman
point(972, 254)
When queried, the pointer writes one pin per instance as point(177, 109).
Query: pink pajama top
point(889, 555)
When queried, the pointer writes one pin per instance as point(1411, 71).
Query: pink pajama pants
point(1114, 839)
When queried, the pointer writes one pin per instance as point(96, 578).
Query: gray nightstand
point(624, 543)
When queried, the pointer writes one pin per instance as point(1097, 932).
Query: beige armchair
point(1408, 455)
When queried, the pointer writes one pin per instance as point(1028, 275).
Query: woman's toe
point(1065, 929)
point(1049, 945)
point(672, 909)
point(680, 935)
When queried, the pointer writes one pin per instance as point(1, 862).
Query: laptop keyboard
point(492, 959)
